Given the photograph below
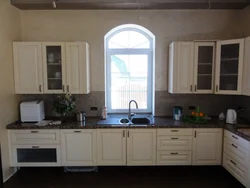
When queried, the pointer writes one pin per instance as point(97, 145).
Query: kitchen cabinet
point(181, 60)
point(207, 147)
point(77, 67)
point(229, 66)
point(28, 67)
point(246, 69)
point(174, 146)
point(191, 67)
point(204, 57)
point(78, 147)
point(111, 147)
point(236, 157)
point(141, 147)
point(55, 67)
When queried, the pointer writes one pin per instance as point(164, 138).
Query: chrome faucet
point(129, 108)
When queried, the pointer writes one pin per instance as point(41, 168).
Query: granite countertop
point(157, 122)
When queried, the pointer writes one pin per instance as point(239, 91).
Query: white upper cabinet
point(181, 64)
point(54, 67)
point(229, 67)
point(51, 67)
point(246, 70)
point(28, 67)
point(77, 66)
point(204, 56)
point(207, 147)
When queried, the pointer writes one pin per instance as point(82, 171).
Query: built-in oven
point(36, 155)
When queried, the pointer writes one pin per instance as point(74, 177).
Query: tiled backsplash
point(164, 102)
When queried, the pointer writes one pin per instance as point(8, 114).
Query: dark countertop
point(157, 122)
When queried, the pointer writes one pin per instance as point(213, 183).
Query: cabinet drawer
point(238, 153)
point(237, 170)
point(238, 140)
point(174, 158)
point(35, 136)
point(175, 132)
point(174, 143)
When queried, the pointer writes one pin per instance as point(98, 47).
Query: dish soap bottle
point(104, 113)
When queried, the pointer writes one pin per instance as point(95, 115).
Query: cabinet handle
point(217, 88)
point(35, 147)
point(191, 88)
point(174, 153)
point(128, 134)
point(40, 88)
point(123, 133)
point(234, 146)
point(233, 162)
point(195, 134)
point(174, 138)
point(77, 131)
point(174, 130)
point(63, 88)
point(234, 137)
point(34, 131)
point(195, 88)
point(68, 88)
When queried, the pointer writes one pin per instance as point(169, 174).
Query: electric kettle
point(231, 116)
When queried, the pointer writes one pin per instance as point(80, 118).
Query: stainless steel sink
point(124, 121)
point(140, 120)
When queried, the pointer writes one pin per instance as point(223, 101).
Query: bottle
point(104, 113)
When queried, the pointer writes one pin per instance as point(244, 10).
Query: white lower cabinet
point(174, 157)
point(207, 147)
point(78, 147)
point(141, 147)
point(111, 147)
point(35, 155)
point(236, 157)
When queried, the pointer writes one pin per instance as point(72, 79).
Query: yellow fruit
point(193, 113)
point(196, 114)
point(201, 114)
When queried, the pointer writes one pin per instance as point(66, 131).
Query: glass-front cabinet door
point(229, 66)
point(54, 67)
point(204, 67)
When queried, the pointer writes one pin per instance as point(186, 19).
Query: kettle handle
point(235, 116)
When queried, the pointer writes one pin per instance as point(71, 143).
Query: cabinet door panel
point(229, 66)
point(141, 147)
point(54, 67)
point(28, 67)
point(246, 70)
point(111, 147)
point(204, 67)
point(78, 147)
point(207, 147)
point(73, 60)
point(181, 67)
point(185, 67)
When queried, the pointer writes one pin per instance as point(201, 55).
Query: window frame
point(130, 51)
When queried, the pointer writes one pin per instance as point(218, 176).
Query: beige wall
point(91, 26)
point(10, 30)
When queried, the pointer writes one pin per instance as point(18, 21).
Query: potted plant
point(62, 105)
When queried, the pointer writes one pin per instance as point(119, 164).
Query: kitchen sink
point(140, 121)
point(124, 121)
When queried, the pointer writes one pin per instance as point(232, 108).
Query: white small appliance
point(32, 111)
point(231, 116)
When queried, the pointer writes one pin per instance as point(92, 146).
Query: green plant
point(64, 104)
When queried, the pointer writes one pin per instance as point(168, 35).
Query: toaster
point(32, 111)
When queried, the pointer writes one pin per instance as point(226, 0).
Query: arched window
point(129, 51)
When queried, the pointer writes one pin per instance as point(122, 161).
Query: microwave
point(32, 111)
